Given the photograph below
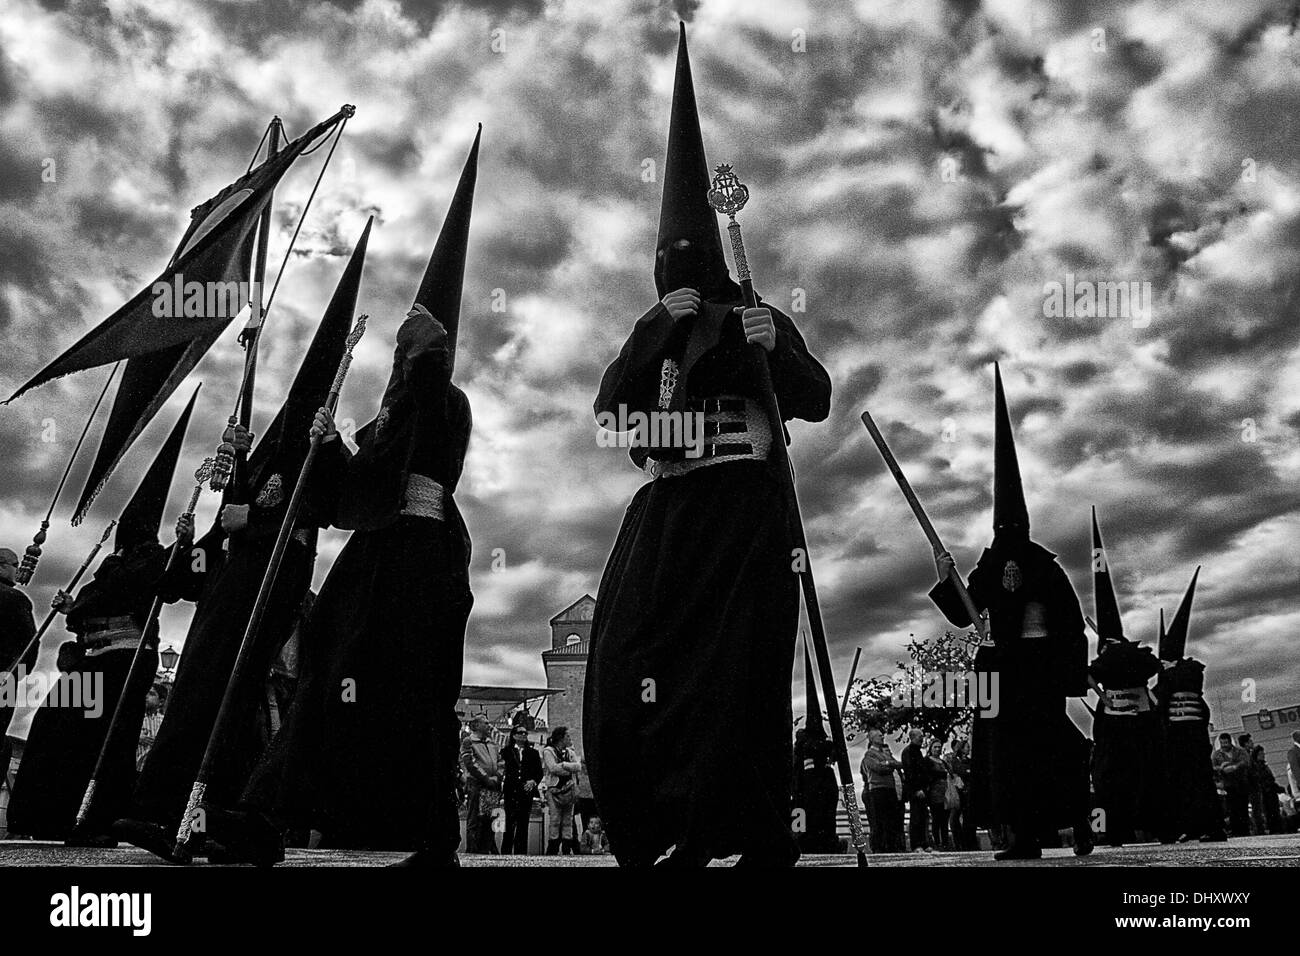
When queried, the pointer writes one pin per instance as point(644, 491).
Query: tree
point(889, 703)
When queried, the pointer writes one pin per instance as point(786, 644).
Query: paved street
point(1266, 851)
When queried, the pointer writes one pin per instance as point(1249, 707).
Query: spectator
point(958, 795)
point(155, 703)
point(916, 785)
point(884, 811)
point(1293, 763)
point(1266, 789)
point(936, 794)
point(1232, 774)
point(523, 775)
point(480, 759)
point(1253, 785)
point(562, 767)
point(594, 840)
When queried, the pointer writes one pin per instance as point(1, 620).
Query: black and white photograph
point(856, 441)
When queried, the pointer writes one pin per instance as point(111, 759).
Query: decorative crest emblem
point(1011, 576)
point(272, 493)
point(728, 195)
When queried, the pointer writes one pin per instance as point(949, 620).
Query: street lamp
point(167, 657)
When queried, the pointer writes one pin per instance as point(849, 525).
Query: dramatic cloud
point(921, 171)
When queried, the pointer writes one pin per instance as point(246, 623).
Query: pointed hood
point(1110, 628)
point(813, 722)
point(1160, 636)
point(140, 519)
point(1008, 496)
point(688, 250)
point(283, 446)
point(440, 288)
point(1173, 644)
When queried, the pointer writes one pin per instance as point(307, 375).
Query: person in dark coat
point(1128, 740)
point(1028, 759)
point(17, 628)
point(223, 575)
point(523, 772)
point(916, 789)
point(694, 628)
point(106, 619)
point(816, 793)
point(1190, 797)
point(368, 752)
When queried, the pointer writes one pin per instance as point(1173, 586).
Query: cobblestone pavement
point(1247, 851)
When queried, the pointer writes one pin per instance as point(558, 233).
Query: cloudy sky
point(920, 170)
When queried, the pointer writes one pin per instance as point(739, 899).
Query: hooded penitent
point(274, 464)
point(688, 250)
point(143, 514)
point(440, 287)
point(1173, 643)
point(1110, 628)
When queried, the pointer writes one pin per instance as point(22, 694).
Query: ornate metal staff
point(72, 585)
point(148, 640)
point(728, 196)
point(182, 853)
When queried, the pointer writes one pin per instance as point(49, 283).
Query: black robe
point(16, 629)
point(687, 714)
point(65, 741)
point(1029, 762)
point(367, 754)
point(1190, 796)
point(1128, 749)
point(224, 585)
point(816, 793)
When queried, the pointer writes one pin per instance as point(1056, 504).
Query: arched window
point(571, 640)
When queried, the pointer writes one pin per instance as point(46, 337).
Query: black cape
point(1128, 751)
point(697, 609)
point(65, 741)
point(1029, 762)
point(1190, 796)
point(367, 754)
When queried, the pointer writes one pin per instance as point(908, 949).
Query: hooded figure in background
point(696, 615)
point(816, 793)
point(368, 752)
point(1029, 761)
point(225, 586)
point(1128, 745)
point(1190, 796)
point(106, 619)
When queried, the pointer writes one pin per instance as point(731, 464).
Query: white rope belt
point(1127, 702)
point(723, 427)
point(1186, 706)
point(424, 497)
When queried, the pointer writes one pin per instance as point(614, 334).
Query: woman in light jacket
point(561, 783)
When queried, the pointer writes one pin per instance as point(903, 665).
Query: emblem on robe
point(381, 419)
point(667, 382)
point(272, 493)
point(1011, 577)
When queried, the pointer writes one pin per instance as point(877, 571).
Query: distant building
point(566, 666)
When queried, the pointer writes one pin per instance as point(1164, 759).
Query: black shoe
point(1218, 836)
point(1083, 849)
point(145, 835)
point(684, 858)
point(242, 837)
